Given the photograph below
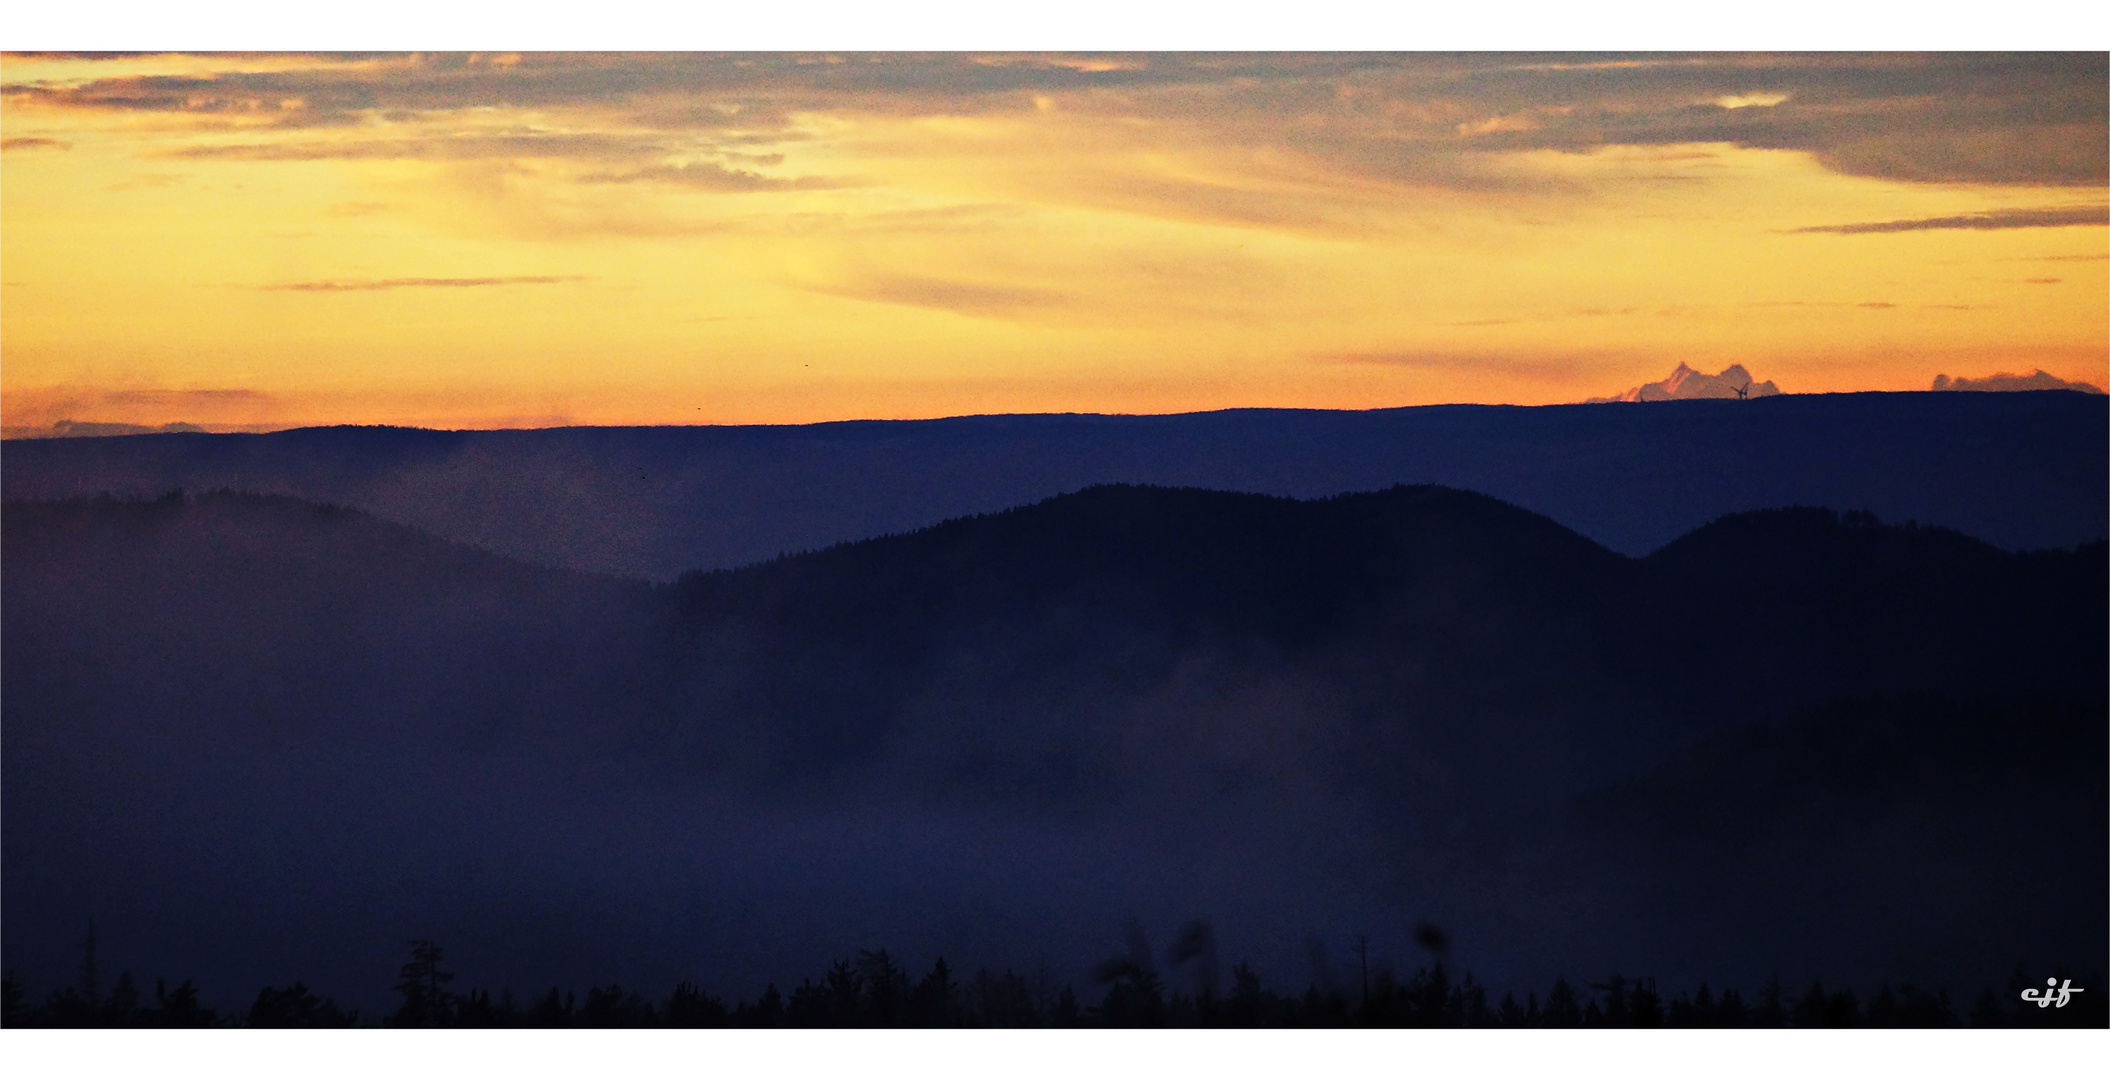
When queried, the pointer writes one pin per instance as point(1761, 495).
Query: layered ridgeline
point(2021, 471)
point(258, 740)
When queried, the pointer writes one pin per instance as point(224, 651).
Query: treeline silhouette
point(878, 990)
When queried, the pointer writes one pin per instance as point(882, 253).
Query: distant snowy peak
point(1686, 383)
point(2004, 381)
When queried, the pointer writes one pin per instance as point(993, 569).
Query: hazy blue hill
point(2020, 470)
point(271, 610)
point(259, 739)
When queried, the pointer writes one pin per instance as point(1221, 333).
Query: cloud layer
point(2036, 119)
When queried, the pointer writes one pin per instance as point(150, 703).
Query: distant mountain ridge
point(254, 728)
point(1687, 384)
point(2018, 470)
point(2007, 383)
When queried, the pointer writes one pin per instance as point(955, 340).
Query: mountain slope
point(260, 739)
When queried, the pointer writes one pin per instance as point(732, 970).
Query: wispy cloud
point(184, 397)
point(959, 297)
point(1758, 100)
point(57, 410)
point(371, 284)
point(34, 142)
point(2050, 217)
point(711, 176)
point(446, 147)
point(949, 220)
point(1546, 316)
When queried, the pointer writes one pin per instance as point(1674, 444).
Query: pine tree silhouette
point(426, 1001)
point(296, 1006)
point(886, 989)
point(1562, 1009)
point(690, 1007)
point(553, 1010)
point(614, 1007)
point(180, 1008)
point(766, 1012)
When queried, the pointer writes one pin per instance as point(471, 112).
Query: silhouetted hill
point(1807, 604)
point(1431, 616)
point(1011, 653)
point(280, 738)
point(2021, 471)
point(1185, 559)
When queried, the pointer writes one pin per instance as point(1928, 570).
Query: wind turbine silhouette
point(1743, 391)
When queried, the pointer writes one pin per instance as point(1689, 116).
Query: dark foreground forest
point(877, 991)
point(255, 740)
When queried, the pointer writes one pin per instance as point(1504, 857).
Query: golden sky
point(524, 240)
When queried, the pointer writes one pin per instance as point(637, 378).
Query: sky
point(487, 240)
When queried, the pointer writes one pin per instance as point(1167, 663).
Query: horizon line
point(25, 433)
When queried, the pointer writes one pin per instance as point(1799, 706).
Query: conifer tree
point(426, 1001)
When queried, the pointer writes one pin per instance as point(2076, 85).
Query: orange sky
point(479, 241)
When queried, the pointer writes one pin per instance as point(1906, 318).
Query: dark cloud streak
point(185, 397)
point(2044, 218)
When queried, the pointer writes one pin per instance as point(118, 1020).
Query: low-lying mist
point(257, 740)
